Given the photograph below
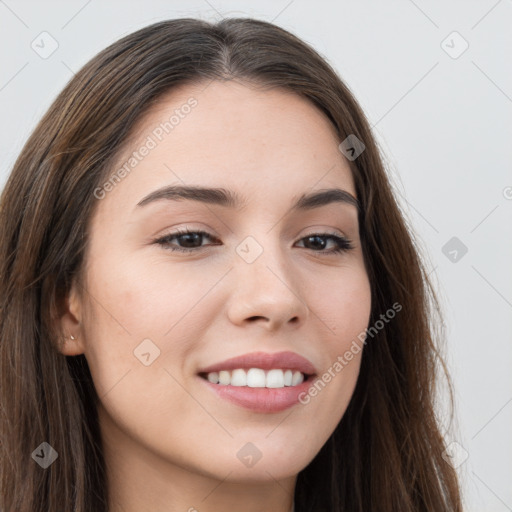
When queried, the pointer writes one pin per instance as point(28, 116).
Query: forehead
point(266, 144)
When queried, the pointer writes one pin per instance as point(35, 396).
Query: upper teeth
point(256, 378)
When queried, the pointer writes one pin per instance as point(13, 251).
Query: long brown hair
point(386, 452)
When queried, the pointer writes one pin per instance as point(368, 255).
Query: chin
point(274, 466)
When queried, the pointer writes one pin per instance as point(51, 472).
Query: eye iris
point(190, 239)
point(318, 241)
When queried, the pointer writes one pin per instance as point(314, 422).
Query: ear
point(69, 323)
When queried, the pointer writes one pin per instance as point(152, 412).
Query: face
point(259, 276)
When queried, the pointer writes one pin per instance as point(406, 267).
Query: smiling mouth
point(257, 378)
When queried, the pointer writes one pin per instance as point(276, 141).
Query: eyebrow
point(229, 199)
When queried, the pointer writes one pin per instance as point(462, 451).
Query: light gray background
point(444, 123)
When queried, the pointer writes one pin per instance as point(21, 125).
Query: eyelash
point(343, 244)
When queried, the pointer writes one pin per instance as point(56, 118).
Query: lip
point(260, 400)
point(266, 361)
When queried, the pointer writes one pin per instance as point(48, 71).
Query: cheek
point(148, 297)
point(342, 308)
point(341, 303)
point(134, 300)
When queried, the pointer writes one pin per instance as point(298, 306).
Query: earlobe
point(69, 324)
point(71, 346)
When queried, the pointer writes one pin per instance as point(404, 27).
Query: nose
point(266, 293)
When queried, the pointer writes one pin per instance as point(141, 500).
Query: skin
point(170, 443)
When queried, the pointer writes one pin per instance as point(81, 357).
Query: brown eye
point(191, 241)
point(317, 242)
point(188, 241)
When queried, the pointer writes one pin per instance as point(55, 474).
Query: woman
point(210, 298)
